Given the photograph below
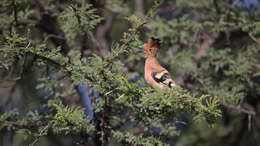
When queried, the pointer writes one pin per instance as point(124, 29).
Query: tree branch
point(48, 24)
point(127, 42)
point(254, 64)
point(19, 124)
point(139, 6)
point(237, 108)
point(211, 39)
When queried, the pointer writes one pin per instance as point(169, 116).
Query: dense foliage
point(48, 48)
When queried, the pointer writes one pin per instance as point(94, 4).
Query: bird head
point(151, 47)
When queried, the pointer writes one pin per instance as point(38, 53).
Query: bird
point(154, 74)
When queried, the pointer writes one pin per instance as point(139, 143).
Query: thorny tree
point(49, 47)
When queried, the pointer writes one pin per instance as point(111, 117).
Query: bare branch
point(205, 45)
point(101, 33)
point(240, 109)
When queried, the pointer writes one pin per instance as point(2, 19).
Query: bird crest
point(151, 47)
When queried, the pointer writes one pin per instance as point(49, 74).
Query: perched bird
point(155, 75)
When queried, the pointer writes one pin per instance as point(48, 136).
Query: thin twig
point(253, 38)
point(249, 122)
point(53, 36)
point(15, 11)
point(15, 20)
point(45, 129)
point(124, 46)
point(254, 64)
point(76, 14)
point(37, 55)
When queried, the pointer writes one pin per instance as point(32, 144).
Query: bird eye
point(150, 50)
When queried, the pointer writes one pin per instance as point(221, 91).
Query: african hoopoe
point(154, 73)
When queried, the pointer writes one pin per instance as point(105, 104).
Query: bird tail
point(164, 78)
point(170, 83)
